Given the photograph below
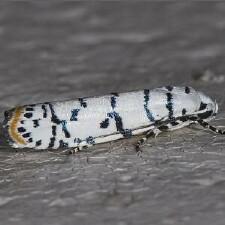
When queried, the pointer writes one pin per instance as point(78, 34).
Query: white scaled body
point(88, 121)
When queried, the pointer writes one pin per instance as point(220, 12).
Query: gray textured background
point(54, 51)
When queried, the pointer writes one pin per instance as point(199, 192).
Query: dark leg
point(72, 151)
point(208, 126)
point(76, 149)
point(151, 133)
point(165, 126)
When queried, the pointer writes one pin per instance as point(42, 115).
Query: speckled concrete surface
point(54, 51)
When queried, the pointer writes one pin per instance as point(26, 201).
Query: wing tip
point(10, 126)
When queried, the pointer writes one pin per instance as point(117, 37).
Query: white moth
point(88, 121)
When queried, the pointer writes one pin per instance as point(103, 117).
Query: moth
point(84, 122)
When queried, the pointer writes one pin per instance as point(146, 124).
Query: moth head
point(208, 108)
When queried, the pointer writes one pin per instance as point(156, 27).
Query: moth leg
point(77, 149)
point(72, 151)
point(210, 127)
point(167, 126)
point(149, 134)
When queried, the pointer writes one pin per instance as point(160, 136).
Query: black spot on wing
point(119, 122)
point(54, 118)
point(29, 109)
point(57, 121)
point(44, 111)
point(146, 105)
point(64, 128)
point(169, 88)
point(30, 140)
point(26, 135)
point(90, 140)
point(202, 106)
point(54, 130)
point(82, 102)
point(52, 142)
point(105, 123)
point(119, 126)
point(36, 123)
point(28, 115)
point(21, 129)
point(187, 90)
point(113, 102)
point(169, 105)
point(74, 114)
point(38, 143)
point(115, 115)
point(146, 95)
point(52, 139)
point(184, 111)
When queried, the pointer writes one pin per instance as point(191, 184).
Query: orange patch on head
point(14, 134)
